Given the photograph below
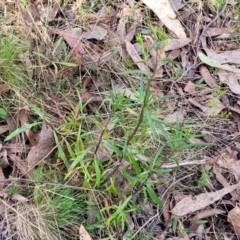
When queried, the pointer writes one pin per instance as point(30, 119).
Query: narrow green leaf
point(155, 198)
point(61, 152)
point(38, 111)
point(213, 63)
point(3, 113)
point(21, 130)
point(68, 64)
point(134, 72)
point(79, 158)
point(174, 224)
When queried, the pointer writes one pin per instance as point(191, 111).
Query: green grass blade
point(21, 130)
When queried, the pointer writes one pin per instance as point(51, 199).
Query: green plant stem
point(140, 119)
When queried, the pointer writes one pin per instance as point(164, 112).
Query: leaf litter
point(178, 69)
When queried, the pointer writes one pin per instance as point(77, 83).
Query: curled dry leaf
point(234, 219)
point(44, 147)
point(208, 78)
point(165, 13)
point(230, 79)
point(192, 204)
point(176, 44)
point(83, 234)
point(135, 57)
point(73, 38)
point(96, 32)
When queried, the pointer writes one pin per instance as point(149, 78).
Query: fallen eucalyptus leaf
point(230, 79)
point(192, 204)
point(165, 13)
point(214, 63)
point(234, 219)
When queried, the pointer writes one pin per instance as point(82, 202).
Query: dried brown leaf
point(177, 116)
point(194, 203)
point(165, 13)
point(190, 87)
point(208, 78)
point(17, 148)
point(176, 4)
point(55, 10)
point(2, 178)
point(229, 161)
point(234, 219)
point(83, 234)
point(3, 157)
point(224, 57)
point(176, 44)
point(211, 31)
point(207, 213)
point(231, 79)
point(21, 165)
point(23, 118)
point(73, 38)
point(213, 106)
point(96, 32)
point(12, 125)
point(135, 57)
point(32, 14)
point(97, 59)
point(121, 29)
point(45, 146)
point(4, 88)
point(19, 198)
point(224, 182)
point(3, 129)
point(25, 58)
